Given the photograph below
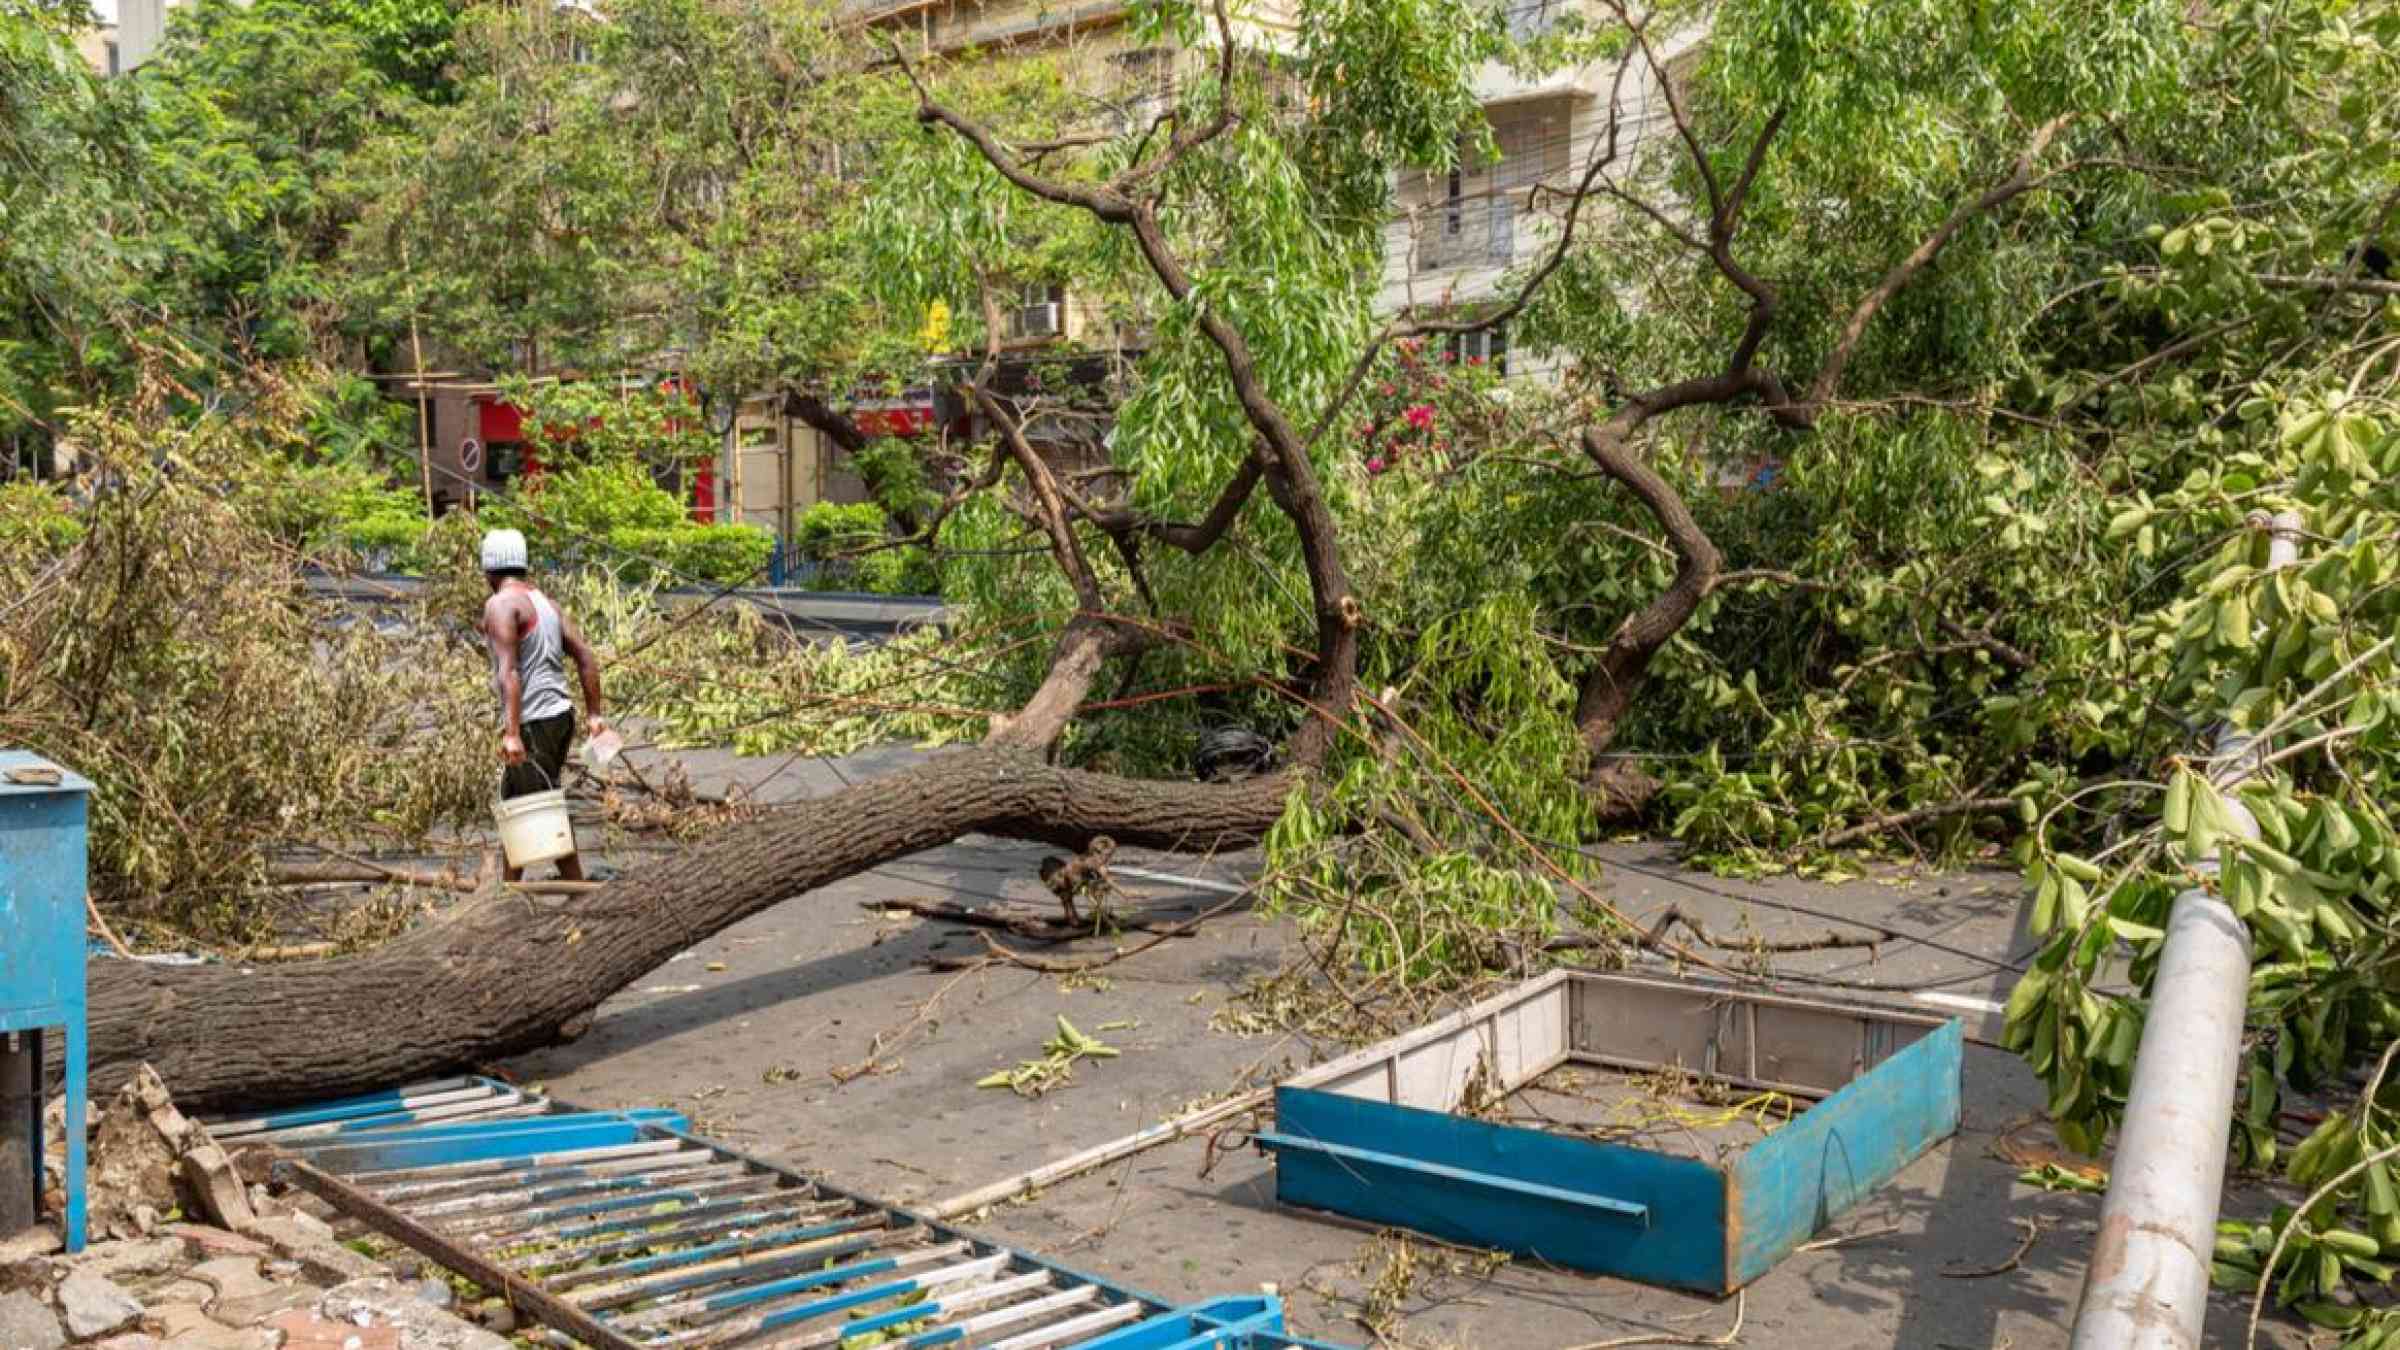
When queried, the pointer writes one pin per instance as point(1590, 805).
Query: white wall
point(1552, 125)
point(140, 26)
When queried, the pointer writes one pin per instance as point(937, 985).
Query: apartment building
point(141, 26)
point(775, 464)
point(1458, 233)
point(1094, 45)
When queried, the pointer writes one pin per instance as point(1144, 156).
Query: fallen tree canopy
point(504, 974)
point(2034, 313)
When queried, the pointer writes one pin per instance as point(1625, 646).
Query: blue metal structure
point(622, 1228)
point(1375, 1135)
point(42, 878)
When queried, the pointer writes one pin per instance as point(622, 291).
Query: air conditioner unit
point(1039, 320)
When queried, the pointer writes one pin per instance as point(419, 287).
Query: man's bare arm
point(502, 626)
point(587, 666)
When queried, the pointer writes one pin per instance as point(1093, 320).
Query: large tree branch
point(1192, 539)
point(1750, 170)
point(1049, 504)
point(2020, 180)
point(1609, 688)
point(1291, 477)
point(825, 419)
point(1293, 484)
point(1184, 143)
point(1088, 643)
point(500, 975)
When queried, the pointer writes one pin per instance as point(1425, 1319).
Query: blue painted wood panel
point(1793, 1182)
point(1678, 1240)
point(1225, 1324)
point(437, 1145)
point(42, 946)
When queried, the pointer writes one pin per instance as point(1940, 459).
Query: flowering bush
point(1424, 405)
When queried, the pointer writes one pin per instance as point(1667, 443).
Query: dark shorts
point(545, 766)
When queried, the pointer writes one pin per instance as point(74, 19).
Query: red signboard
point(911, 414)
point(499, 423)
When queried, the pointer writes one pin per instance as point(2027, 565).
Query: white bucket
point(534, 828)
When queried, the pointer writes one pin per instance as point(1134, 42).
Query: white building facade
point(1458, 235)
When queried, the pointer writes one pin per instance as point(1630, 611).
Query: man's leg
point(546, 750)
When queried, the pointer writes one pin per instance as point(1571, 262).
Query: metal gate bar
point(621, 1230)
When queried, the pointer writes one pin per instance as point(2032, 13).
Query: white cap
point(504, 551)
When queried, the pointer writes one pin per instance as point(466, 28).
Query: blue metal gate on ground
point(622, 1229)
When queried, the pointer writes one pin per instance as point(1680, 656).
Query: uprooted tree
point(2032, 308)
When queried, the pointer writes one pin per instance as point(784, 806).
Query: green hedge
point(723, 554)
point(831, 537)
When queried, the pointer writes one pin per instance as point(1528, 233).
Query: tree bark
point(504, 974)
point(820, 415)
point(1610, 686)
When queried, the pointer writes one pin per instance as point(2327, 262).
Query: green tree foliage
point(194, 204)
point(254, 115)
point(413, 43)
point(2030, 309)
point(164, 646)
point(69, 149)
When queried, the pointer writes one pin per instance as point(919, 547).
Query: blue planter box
point(1375, 1136)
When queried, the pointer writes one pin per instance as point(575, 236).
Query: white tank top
point(541, 667)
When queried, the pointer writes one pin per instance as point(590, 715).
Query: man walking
point(531, 642)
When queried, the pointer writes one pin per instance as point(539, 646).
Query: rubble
point(380, 1300)
point(208, 1177)
point(284, 1282)
point(94, 1305)
point(26, 1321)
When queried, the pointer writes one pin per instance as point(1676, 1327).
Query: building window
point(116, 61)
point(1474, 226)
point(1039, 311)
point(1487, 347)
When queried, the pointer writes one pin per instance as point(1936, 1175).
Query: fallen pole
point(2147, 1285)
point(1075, 1165)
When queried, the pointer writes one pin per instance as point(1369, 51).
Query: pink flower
point(1386, 391)
point(1474, 360)
point(1376, 465)
point(1421, 417)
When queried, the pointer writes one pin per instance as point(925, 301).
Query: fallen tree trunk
point(502, 975)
